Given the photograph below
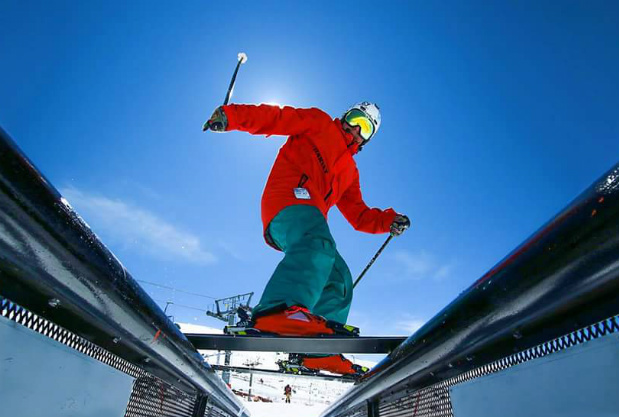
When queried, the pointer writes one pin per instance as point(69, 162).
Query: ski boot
point(293, 367)
point(336, 364)
point(298, 321)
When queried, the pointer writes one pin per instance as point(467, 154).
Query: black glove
point(218, 121)
point(399, 225)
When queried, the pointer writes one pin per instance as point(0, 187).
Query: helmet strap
point(363, 144)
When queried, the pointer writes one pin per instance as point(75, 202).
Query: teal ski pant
point(312, 273)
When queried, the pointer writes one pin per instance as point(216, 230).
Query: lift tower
point(226, 310)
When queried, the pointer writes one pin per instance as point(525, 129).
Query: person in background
point(288, 393)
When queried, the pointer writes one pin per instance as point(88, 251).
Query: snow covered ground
point(284, 410)
point(310, 396)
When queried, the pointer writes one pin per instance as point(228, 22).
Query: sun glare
point(273, 103)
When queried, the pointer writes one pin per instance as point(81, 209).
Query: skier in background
point(288, 393)
point(310, 292)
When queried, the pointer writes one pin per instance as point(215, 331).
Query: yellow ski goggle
point(356, 117)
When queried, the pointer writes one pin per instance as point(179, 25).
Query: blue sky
point(495, 116)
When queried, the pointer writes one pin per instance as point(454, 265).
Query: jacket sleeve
point(269, 120)
point(360, 216)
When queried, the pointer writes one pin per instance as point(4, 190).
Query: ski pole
point(242, 58)
point(372, 261)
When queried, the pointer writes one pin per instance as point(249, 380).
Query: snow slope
point(295, 409)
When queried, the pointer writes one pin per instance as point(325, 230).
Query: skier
point(288, 393)
point(310, 292)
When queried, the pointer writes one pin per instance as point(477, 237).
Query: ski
point(274, 343)
point(302, 373)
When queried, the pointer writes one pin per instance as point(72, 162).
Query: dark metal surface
point(243, 369)
point(563, 278)
point(54, 265)
point(330, 344)
point(153, 397)
point(200, 406)
point(435, 400)
point(149, 396)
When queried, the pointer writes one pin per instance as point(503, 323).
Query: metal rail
point(247, 370)
point(54, 265)
point(563, 278)
point(327, 344)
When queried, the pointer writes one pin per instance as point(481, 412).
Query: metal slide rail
point(53, 266)
point(266, 343)
point(557, 289)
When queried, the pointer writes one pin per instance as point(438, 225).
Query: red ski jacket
point(316, 157)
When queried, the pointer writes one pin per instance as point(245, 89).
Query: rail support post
point(199, 406)
point(373, 408)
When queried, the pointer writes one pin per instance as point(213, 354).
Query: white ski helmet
point(371, 111)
